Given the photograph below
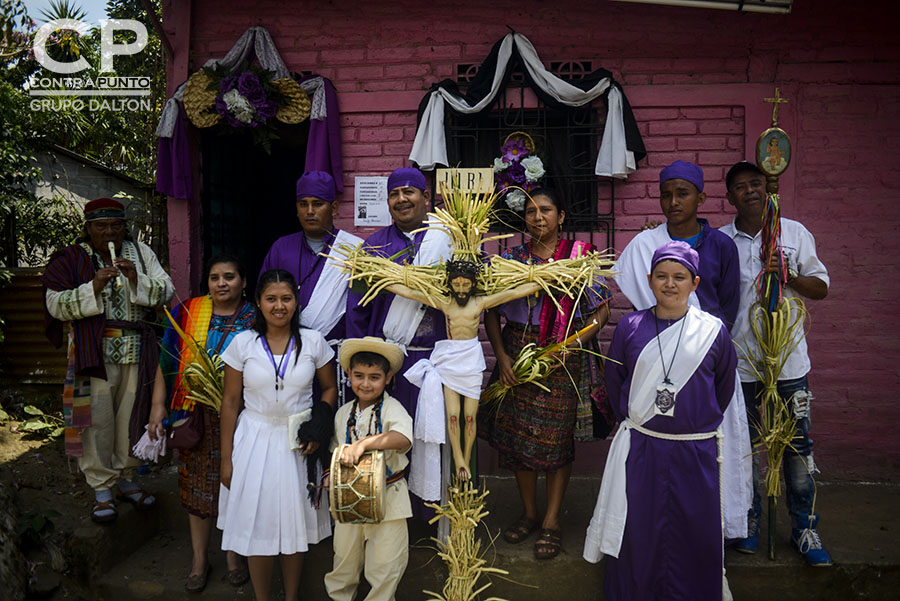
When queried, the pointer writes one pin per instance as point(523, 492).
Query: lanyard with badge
point(281, 367)
point(665, 391)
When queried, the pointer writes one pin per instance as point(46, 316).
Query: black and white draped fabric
point(620, 148)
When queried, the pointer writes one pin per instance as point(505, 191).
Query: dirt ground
point(49, 496)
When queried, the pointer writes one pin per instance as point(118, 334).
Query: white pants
point(383, 549)
point(106, 446)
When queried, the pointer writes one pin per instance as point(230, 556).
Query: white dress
point(267, 510)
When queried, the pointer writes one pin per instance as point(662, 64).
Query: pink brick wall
point(695, 78)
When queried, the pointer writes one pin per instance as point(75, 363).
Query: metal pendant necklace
point(665, 391)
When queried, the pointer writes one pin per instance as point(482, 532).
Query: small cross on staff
point(776, 101)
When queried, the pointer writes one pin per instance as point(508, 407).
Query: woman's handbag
point(187, 432)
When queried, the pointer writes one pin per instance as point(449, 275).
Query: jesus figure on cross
point(459, 360)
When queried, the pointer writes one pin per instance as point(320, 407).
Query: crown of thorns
point(462, 267)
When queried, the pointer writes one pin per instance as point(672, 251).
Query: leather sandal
point(195, 583)
point(238, 576)
point(104, 506)
point(520, 530)
point(141, 503)
point(548, 545)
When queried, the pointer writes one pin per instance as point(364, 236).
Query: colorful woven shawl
point(555, 323)
point(195, 317)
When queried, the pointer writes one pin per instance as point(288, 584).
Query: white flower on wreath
point(239, 106)
point(534, 168)
point(515, 200)
point(500, 165)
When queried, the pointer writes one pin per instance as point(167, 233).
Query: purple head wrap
point(406, 176)
point(679, 251)
point(689, 172)
point(317, 184)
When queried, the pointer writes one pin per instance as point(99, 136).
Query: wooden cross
point(776, 101)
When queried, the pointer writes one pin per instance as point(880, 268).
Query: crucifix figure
point(775, 101)
point(459, 361)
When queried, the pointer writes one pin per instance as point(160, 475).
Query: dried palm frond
point(379, 272)
point(777, 334)
point(462, 552)
point(568, 276)
point(466, 218)
point(533, 364)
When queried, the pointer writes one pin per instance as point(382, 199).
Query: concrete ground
point(147, 555)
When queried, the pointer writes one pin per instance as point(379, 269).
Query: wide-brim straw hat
point(351, 346)
point(297, 106)
point(200, 101)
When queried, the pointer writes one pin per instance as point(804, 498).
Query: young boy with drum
point(373, 421)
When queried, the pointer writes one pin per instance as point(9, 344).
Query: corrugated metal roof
point(26, 356)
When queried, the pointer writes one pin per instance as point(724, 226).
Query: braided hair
point(276, 276)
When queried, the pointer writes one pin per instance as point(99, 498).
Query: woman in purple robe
point(671, 377)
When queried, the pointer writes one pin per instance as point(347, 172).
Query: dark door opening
point(248, 195)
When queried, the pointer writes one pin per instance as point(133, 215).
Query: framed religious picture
point(773, 151)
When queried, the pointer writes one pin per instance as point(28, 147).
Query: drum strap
point(392, 477)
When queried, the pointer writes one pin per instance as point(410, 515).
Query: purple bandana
point(689, 172)
point(316, 184)
point(406, 176)
point(679, 251)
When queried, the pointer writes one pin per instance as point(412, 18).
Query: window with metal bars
point(566, 141)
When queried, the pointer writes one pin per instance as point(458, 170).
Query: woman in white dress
point(264, 509)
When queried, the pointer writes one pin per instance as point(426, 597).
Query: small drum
point(357, 491)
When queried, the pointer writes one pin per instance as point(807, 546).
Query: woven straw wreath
point(297, 106)
point(200, 102)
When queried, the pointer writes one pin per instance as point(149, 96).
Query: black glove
point(320, 429)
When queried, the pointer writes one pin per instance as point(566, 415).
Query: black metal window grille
point(567, 142)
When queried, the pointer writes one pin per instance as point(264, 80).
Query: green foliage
point(123, 140)
point(44, 225)
point(44, 425)
point(35, 525)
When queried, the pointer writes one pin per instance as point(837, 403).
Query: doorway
point(248, 195)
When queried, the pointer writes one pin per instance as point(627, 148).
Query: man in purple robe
point(412, 325)
point(322, 285)
point(658, 514)
point(680, 196)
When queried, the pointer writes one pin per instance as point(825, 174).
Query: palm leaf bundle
point(531, 365)
point(377, 273)
point(466, 218)
point(462, 552)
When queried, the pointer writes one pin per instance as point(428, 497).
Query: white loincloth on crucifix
point(455, 364)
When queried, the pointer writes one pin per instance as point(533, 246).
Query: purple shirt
point(369, 320)
point(672, 544)
point(719, 291)
point(293, 254)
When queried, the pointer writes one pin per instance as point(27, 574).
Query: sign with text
point(370, 207)
point(480, 179)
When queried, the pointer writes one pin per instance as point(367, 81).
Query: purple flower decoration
point(251, 88)
point(227, 84)
point(514, 151)
point(516, 173)
point(265, 110)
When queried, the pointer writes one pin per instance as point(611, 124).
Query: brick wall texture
point(689, 75)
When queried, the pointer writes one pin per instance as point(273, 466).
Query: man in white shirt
point(807, 279)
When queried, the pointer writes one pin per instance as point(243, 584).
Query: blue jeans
point(798, 463)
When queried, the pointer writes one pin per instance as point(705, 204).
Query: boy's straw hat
point(389, 351)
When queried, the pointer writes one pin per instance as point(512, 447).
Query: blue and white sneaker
point(750, 544)
point(806, 540)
